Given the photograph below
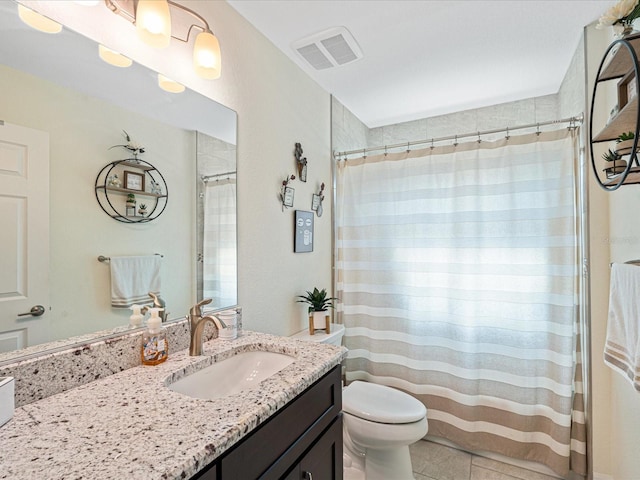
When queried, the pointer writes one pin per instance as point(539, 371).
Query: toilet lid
point(382, 404)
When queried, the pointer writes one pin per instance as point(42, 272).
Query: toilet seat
point(381, 404)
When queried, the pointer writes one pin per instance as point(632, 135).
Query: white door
point(24, 236)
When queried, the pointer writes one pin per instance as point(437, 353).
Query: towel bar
point(630, 262)
point(104, 259)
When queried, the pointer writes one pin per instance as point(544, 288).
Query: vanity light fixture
point(113, 58)
point(169, 85)
point(37, 21)
point(152, 19)
point(153, 22)
point(87, 3)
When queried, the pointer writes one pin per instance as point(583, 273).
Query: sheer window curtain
point(219, 243)
point(457, 275)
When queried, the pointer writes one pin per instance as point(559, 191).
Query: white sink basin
point(232, 375)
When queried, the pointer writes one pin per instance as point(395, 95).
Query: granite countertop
point(130, 425)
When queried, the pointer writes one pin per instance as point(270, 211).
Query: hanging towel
point(622, 348)
point(132, 278)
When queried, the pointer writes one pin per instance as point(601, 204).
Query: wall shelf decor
point(144, 183)
point(619, 63)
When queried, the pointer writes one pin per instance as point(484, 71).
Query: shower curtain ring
point(455, 142)
point(507, 136)
point(364, 153)
point(538, 130)
point(408, 148)
point(479, 139)
point(432, 147)
point(385, 151)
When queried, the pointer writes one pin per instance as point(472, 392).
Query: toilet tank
point(334, 337)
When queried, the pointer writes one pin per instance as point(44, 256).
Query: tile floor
point(432, 461)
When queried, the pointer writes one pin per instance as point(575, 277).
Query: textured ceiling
point(424, 58)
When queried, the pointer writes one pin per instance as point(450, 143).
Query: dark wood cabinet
point(323, 461)
point(303, 438)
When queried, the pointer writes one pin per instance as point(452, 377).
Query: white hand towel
point(132, 278)
point(622, 347)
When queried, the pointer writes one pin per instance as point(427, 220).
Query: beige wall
point(277, 105)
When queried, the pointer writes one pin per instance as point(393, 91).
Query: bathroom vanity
point(131, 425)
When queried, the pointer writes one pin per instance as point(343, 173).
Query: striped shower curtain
point(219, 243)
point(457, 277)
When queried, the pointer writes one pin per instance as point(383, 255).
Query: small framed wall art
point(303, 236)
point(134, 181)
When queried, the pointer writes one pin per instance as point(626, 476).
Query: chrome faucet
point(197, 323)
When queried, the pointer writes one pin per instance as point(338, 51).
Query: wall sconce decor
point(316, 201)
point(152, 19)
point(301, 162)
point(287, 192)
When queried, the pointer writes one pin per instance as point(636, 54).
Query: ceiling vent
point(329, 48)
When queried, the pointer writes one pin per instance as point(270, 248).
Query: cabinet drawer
point(276, 445)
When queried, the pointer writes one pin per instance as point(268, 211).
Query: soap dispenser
point(155, 348)
point(135, 320)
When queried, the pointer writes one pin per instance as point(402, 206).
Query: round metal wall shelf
point(151, 189)
point(620, 62)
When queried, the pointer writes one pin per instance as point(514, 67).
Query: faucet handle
point(197, 308)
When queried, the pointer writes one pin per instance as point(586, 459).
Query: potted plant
point(616, 164)
point(624, 143)
point(319, 303)
point(142, 209)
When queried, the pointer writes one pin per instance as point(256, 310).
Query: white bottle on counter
point(135, 320)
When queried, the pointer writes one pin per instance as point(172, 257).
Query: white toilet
point(379, 424)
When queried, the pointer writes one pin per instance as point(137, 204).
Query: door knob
point(35, 311)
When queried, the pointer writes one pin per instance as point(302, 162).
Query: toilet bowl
point(379, 424)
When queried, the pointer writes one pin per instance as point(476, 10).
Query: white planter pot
point(319, 321)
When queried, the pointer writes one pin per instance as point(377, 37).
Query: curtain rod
point(571, 120)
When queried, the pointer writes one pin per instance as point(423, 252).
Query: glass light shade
point(113, 58)
point(207, 61)
point(37, 21)
point(153, 22)
point(87, 3)
point(169, 85)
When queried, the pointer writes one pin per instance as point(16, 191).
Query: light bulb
point(206, 56)
point(169, 85)
point(113, 58)
point(153, 22)
point(37, 21)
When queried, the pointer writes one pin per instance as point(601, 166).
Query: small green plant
point(625, 136)
point(610, 156)
point(143, 206)
point(317, 300)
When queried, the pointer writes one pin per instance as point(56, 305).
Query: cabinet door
point(324, 460)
